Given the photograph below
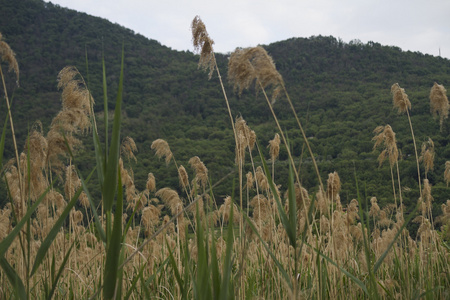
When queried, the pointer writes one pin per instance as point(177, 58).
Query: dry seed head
point(374, 208)
point(251, 180)
point(203, 44)
point(128, 148)
point(75, 94)
point(439, 102)
point(72, 182)
point(447, 172)
point(274, 147)
point(261, 207)
point(400, 98)
point(183, 176)
point(150, 216)
point(224, 211)
point(245, 138)
point(8, 56)
point(151, 182)
point(333, 185)
point(261, 179)
point(170, 199)
point(385, 135)
point(254, 64)
point(162, 149)
point(427, 155)
point(201, 172)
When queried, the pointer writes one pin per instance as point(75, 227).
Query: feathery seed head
point(151, 182)
point(447, 172)
point(385, 135)
point(254, 64)
point(203, 44)
point(8, 56)
point(251, 180)
point(439, 102)
point(162, 149)
point(201, 172)
point(427, 155)
point(128, 147)
point(274, 147)
point(183, 176)
point(400, 98)
point(333, 185)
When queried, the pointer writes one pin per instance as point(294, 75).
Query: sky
point(414, 25)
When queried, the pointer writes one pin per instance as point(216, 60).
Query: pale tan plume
point(439, 102)
point(274, 147)
point(447, 172)
point(254, 64)
point(201, 172)
point(203, 44)
point(128, 148)
point(162, 149)
point(427, 155)
point(400, 98)
point(8, 56)
point(384, 135)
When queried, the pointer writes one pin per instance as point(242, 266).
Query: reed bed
point(268, 242)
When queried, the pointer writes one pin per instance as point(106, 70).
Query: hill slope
point(341, 92)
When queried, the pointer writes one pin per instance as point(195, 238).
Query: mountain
point(341, 92)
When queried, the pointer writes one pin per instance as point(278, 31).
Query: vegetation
point(86, 216)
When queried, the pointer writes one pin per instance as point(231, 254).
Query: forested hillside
point(341, 92)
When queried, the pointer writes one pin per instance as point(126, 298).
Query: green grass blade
point(40, 255)
point(2, 140)
point(14, 279)
point(61, 269)
point(105, 103)
point(349, 275)
point(175, 269)
point(6, 242)
point(228, 265)
point(110, 187)
point(114, 248)
point(287, 224)
point(97, 223)
point(385, 253)
point(134, 282)
point(277, 263)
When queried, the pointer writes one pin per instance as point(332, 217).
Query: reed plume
point(447, 172)
point(402, 103)
point(274, 147)
point(203, 44)
point(151, 183)
point(128, 148)
point(400, 98)
point(7, 55)
point(254, 65)
point(162, 149)
point(427, 155)
point(183, 176)
point(439, 103)
point(384, 135)
point(201, 172)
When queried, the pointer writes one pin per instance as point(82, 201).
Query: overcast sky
point(415, 25)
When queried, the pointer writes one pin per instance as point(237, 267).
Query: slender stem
point(415, 151)
point(13, 137)
point(304, 137)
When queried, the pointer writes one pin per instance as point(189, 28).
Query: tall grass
point(59, 242)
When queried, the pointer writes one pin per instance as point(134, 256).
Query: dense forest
point(341, 92)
